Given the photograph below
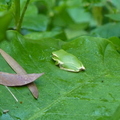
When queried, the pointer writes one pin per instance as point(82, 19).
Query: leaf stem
point(12, 94)
point(17, 11)
point(22, 16)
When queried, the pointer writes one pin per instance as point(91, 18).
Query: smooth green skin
point(67, 61)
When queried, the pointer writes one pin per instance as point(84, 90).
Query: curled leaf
point(8, 79)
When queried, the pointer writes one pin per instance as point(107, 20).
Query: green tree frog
point(67, 61)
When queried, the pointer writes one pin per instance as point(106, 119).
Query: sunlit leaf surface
point(89, 95)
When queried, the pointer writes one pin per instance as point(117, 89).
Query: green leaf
point(71, 33)
point(116, 42)
point(62, 18)
point(33, 20)
point(5, 19)
point(6, 117)
point(8, 11)
point(89, 95)
point(116, 115)
point(107, 30)
point(36, 23)
point(115, 17)
point(116, 3)
point(3, 7)
point(41, 35)
point(76, 14)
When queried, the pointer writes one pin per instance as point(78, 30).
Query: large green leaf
point(107, 30)
point(89, 95)
point(116, 3)
point(33, 20)
point(47, 34)
point(5, 19)
point(115, 17)
point(116, 42)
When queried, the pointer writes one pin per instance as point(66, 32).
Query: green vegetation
point(30, 30)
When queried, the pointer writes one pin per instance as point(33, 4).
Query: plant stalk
point(22, 16)
point(12, 94)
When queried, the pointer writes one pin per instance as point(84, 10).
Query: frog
point(67, 61)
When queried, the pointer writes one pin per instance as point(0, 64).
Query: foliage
point(30, 30)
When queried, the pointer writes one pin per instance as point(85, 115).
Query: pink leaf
point(8, 79)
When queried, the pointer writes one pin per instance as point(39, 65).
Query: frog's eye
point(55, 55)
